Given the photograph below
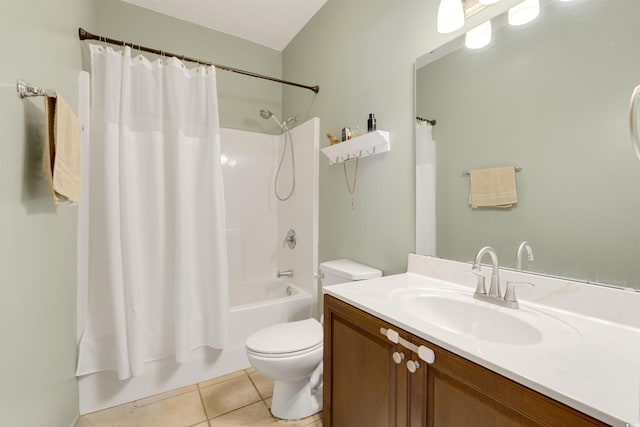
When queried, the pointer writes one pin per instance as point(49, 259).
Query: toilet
point(291, 353)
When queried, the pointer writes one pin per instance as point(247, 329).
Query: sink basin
point(459, 313)
point(473, 318)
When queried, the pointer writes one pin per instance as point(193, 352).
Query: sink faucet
point(494, 287)
point(524, 245)
point(495, 295)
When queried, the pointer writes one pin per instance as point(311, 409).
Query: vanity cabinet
point(364, 386)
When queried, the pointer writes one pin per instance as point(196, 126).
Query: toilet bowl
point(291, 353)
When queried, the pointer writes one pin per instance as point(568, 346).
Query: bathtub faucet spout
point(285, 273)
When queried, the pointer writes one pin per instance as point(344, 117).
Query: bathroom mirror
point(552, 97)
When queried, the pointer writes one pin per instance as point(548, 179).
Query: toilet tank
point(346, 270)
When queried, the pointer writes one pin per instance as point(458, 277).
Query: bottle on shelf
point(371, 123)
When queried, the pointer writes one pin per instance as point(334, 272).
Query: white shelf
point(375, 142)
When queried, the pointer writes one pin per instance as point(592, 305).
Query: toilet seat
point(288, 339)
point(290, 355)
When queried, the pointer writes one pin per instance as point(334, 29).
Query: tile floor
point(242, 398)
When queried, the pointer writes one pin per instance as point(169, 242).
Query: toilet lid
point(286, 337)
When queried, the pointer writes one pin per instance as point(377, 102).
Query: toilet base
point(295, 399)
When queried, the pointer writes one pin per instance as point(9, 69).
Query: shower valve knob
point(290, 239)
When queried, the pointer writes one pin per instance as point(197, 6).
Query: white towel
point(493, 187)
point(61, 154)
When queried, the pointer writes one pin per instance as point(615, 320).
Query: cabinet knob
point(398, 357)
point(413, 366)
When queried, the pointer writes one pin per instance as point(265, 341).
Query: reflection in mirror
point(551, 96)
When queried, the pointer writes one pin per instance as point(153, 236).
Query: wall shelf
point(375, 142)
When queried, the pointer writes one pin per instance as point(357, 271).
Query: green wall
point(362, 55)
point(38, 43)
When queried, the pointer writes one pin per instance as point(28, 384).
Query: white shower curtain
point(425, 190)
point(157, 263)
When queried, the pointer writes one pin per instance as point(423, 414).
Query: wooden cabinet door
point(456, 392)
point(363, 386)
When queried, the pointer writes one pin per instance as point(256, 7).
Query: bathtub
point(268, 303)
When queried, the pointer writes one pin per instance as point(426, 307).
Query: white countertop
point(592, 365)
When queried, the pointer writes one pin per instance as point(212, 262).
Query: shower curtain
point(425, 190)
point(157, 262)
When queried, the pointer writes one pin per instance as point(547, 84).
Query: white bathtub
point(270, 302)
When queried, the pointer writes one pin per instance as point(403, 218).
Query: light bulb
point(524, 12)
point(479, 36)
point(450, 16)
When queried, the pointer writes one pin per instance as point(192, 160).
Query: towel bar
point(26, 90)
point(516, 168)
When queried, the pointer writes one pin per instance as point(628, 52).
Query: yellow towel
point(493, 187)
point(61, 154)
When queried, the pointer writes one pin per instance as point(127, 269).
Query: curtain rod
point(85, 35)
point(431, 122)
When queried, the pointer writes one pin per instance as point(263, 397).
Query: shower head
point(266, 114)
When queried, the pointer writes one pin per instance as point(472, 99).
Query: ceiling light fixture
point(524, 12)
point(479, 36)
point(450, 16)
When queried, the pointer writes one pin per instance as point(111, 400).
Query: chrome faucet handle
point(510, 292)
point(290, 239)
point(481, 289)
